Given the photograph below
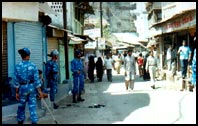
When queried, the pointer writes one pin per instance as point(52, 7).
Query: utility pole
point(65, 40)
point(101, 29)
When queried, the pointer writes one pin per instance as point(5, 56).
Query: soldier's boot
point(74, 98)
point(55, 106)
point(126, 84)
point(79, 98)
point(20, 122)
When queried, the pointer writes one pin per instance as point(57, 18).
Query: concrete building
point(40, 27)
point(23, 25)
point(170, 23)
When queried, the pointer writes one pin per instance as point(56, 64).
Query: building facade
point(21, 28)
point(178, 22)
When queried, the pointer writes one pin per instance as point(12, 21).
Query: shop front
point(176, 30)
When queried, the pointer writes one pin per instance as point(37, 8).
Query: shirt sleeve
point(147, 62)
point(134, 63)
point(125, 64)
point(16, 79)
point(37, 81)
point(47, 69)
point(158, 65)
point(189, 50)
point(74, 66)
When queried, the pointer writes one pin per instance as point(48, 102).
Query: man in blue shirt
point(185, 54)
point(27, 83)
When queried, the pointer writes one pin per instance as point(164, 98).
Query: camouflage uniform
point(78, 79)
point(194, 75)
point(52, 76)
point(76, 64)
point(27, 80)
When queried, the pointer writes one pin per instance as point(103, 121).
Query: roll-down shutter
point(29, 34)
point(4, 51)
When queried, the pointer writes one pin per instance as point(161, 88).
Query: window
point(159, 16)
point(57, 6)
point(133, 6)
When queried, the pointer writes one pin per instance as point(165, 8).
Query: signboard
point(93, 33)
point(90, 45)
point(181, 23)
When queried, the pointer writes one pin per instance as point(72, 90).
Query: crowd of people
point(29, 81)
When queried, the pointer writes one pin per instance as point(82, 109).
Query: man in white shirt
point(168, 57)
point(130, 70)
point(108, 63)
point(151, 67)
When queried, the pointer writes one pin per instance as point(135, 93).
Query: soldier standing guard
point(27, 83)
point(78, 77)
point(52, 76)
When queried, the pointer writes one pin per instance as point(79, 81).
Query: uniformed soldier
point(151, 67)
point(78, 77)
point(27, 83)
point(52, 76)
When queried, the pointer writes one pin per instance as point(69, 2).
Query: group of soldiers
point(29, 83)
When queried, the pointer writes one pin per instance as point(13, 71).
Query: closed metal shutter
point(29, 34)
point(4, 51)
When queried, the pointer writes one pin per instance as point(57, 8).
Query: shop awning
point(53, 26)
point(85, 37)
point(108, 44)
point(122, 45)
point(151, 43)
point(75, 40)
point(133, 43)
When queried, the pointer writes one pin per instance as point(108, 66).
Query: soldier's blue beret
point(24, 51)
point(78, 52)
point(54, 53)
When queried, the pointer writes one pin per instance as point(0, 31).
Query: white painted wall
point(20, 11)
point(176, 7)
point(57, 20)
point(141, 23)
point(70, 16)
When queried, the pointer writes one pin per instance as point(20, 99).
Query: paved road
point(143, 105)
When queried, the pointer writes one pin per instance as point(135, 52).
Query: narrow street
point(110, 103)
point(118, 106)
point(59, 39)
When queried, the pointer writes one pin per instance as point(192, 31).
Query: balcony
point(153, 7)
